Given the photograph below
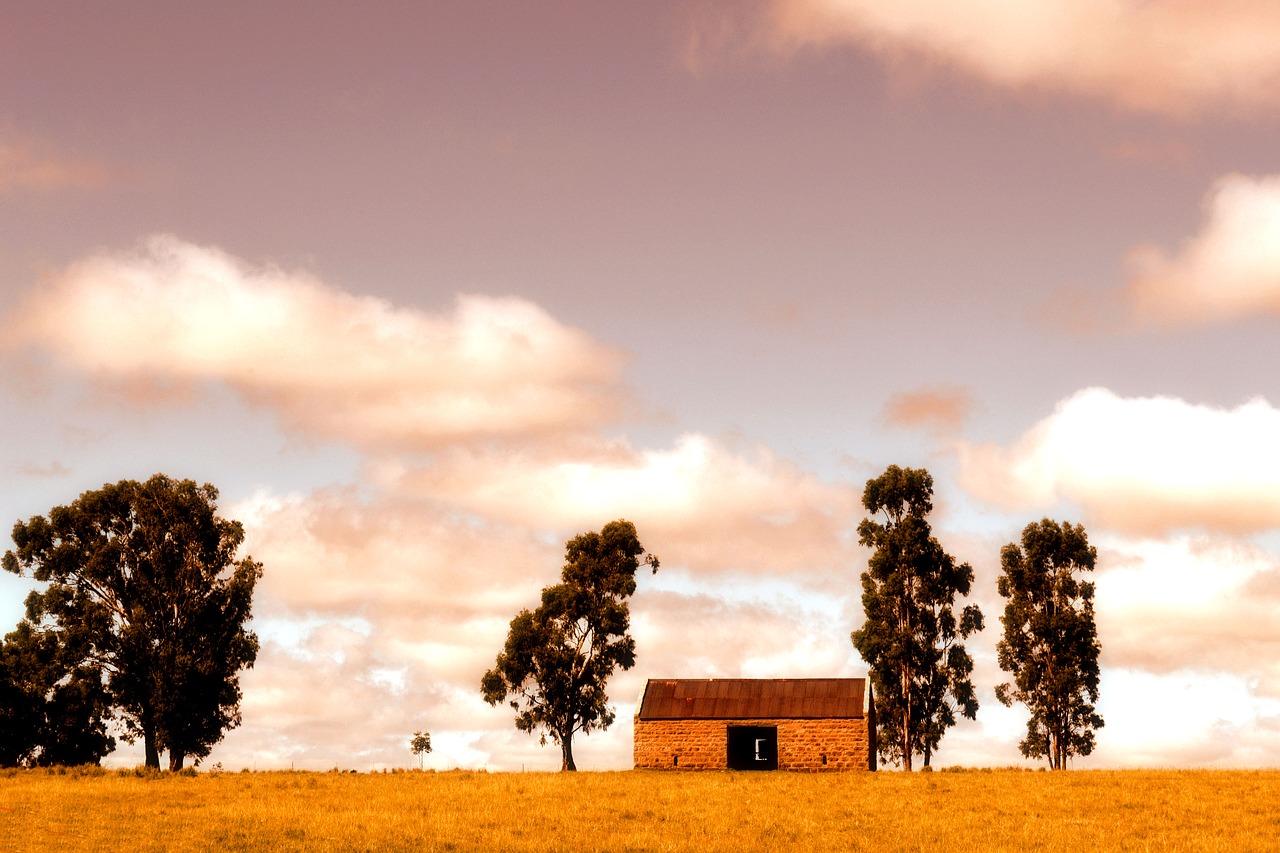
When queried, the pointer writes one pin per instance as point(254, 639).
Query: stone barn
point(812, 724)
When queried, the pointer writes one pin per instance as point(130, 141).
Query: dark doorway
point(753, 747)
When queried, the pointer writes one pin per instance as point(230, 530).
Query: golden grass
point(642, 810)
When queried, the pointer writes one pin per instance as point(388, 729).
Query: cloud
point(339, 553)
point(699, 504)
point(698, 634)
point(1141, 465)
point(942, 409)
point(29, 165)
point(27, 468)
point(1168, 56)
point(1202, 604)
point(1230, 269)
point(1185, 719)
point(331, 364)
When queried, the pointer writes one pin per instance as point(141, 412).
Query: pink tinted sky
point(427, 288)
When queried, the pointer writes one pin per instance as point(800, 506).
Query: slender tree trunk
point(905, 673)
point(566, 752)
point(149, 743)
point(906, 736)
point(905, 685)
point(176, 757)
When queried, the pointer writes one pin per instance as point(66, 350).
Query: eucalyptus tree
point(557, 658)
point(143, 580)
point(912, 639)
point(1050, 643)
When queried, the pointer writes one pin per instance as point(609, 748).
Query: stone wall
point(703, 744)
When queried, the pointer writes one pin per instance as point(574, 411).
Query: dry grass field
point(973, 810)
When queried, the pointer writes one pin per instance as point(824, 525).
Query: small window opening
point(675, 761)
point(824, 759)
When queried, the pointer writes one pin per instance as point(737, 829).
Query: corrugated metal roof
point(752, 698)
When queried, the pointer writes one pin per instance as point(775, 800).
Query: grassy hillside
point(1000, 810)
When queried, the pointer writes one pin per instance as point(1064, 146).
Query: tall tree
point(911, 639)
point(143, 579)
point(1050, 640)
point(557, 659)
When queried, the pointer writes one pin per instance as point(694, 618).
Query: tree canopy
point(911, 639)
point(557, 659)
point(144, 587)
point(1050, 643)
point(54, 706)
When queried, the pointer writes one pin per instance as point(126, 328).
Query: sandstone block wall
point(703, 744)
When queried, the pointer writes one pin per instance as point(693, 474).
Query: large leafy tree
point(1050, 643)
point(912, 638)
point(557, 659)
point(53, 704)
point(144, 582)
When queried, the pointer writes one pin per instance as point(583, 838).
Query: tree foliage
point(911, 639)
point(1050, 643)
point(144, 586)
point(557, 659)
point(53, 703)
point(420, 745)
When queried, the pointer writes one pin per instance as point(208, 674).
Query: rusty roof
point(752, 698)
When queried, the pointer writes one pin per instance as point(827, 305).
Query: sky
point(426, 289)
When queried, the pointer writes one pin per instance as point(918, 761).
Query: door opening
point(753, 747)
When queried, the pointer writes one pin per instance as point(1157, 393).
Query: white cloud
point(1208, 605)
point(1184, 719)
point(699, 504)
point(1230, 269)
point(1146, 464)
point(338, 553)
point(330, 363)
point(1172, 56)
